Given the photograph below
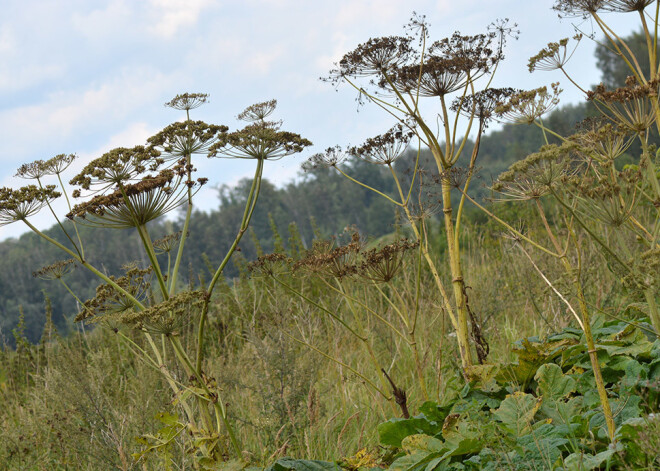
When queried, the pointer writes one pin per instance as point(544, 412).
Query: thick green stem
point(453, 250)
point(149, 248)
point(250, 204)
point(184, 233)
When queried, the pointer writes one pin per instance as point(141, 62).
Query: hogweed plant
point(600, 199)
point(127, 188)
point(438, 93)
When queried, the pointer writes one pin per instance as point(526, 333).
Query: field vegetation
point(395, 309)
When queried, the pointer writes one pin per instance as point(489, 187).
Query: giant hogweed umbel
point(128, 188)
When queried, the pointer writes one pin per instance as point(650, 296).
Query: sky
point(86, 76)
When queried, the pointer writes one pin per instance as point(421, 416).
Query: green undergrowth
point(540, 412)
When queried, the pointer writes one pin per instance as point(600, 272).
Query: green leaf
point(433, 411)
point(395, 430)
point(422, 442)
point(414, 462)
point(553, 383)
point(483, 377)
point(562, 412)
point(517, 412)
point(286, 464)
point(586, 461)
point(209, 464)
point(463, 435)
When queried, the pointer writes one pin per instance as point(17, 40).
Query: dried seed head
point(138, 203)
point(258, 111)
point(482, 104)
point(56, 270)
point(183, 139)
point(449, 66)
point(326, 260)
point(270, 265)
point(382, 264)
point(604, 143)
point(260, 140)
point(375, 57)
point(332, 157)
point(554, 56)
point(166, 317)
point(59, 163)
point(188, 101)
point(577, 8)
point(626, 6)
point(386, 148)
point(630, 107)
point(18, 205)
point(109, 302)
point(117, 167)
point(167, 243)
point(32, 171)
point(527, 106)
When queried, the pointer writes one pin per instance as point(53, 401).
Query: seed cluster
point(380, 265)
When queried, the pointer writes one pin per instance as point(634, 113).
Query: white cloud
point(369, 12)
point(262, 62)
point(14, 79)
point(7, 40)
point(172, 15)
point(63, 114)
point(105, 21)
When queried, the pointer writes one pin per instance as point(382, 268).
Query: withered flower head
point(527, 106)
point(18, 205)
point(577, 8)
point(182, 139)
point(554, 56)
point(386, 148)
point(258, 111)
point(332, 157)
point(375, 57)
point(326, 260)
point(32, 171)
point(56, 270)
point(482, 104)
point(631, 91)
point(138, 203)
point(168, 316)
point(600, 198)
point(59, 163)
point(604, 142)
point(645, 273)
point(535, 176)
point(439, 76)
point(630, 107)
point(116, 167)
point(382, 264)
point(450, 65)
point(473, 54)
point(269, 265)
point(167, 243)
point(108, 301)
point(188, 101)
point(626, 6)
point(261, 141)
